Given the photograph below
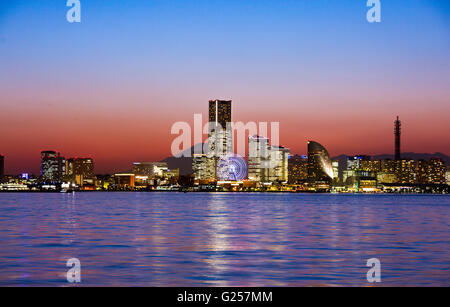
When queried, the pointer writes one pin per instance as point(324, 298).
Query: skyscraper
point(220, 112)
point(80, 170)
point(258, 158)
point(397, 133)
point(203, 167)
point(279, 158)
point(320, 168)
point(355, 162)
point(53, 166)
point(297, 169)
point(220, 141)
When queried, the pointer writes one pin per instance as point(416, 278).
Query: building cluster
point(145, 175)
point(268, 167)
point(274, 168)
point(59, 173)
point(364, 174)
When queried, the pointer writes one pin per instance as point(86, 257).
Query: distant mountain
point(183, 163)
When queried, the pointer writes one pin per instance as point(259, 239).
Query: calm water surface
point(202, 239)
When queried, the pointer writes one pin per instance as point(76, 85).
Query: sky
point(112, 86)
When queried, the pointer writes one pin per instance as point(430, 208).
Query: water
point(221, 239)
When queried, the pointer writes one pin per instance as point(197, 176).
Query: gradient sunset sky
point(112, 86)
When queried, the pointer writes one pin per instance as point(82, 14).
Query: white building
point(203, 167)
point(258, 158)
point(279, 157)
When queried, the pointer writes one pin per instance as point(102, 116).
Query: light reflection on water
point(220, 239)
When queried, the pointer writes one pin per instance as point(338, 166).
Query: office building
point(203, 167)
point(320, 169)
point(53, 166)
point(437, 171)
point(279, 157)
point(124, 180)
point(220, 140)
point(152, 170)
point(405, 170)
point(355, 162)
point(422, 171)
point(258, 158)
point(335, 165)
point(360, 181)
point(80, 170)
point(297, 169)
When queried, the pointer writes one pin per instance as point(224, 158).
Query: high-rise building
point(320, 169)
point(405, 171)
point(371, 165)
point(388, 166)
point(203, 167)
point(220, 112)
point(80, 170)
point(447, 175)
point(335, 165)
point(355, 162)
point(124, 180)
point(422, 170)
point(258, 158)
point(2, 167)
point(297, 169)
point(53, 166)
point(436, 171)
point(279, 157)
point(397, 133)
point(220, 142)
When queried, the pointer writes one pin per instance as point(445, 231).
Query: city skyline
point(342, 88)
point(114, 168)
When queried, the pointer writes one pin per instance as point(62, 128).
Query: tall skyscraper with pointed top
point(397, 133)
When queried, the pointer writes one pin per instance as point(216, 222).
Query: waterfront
point(224, 239)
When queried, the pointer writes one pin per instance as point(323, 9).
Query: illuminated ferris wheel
point(231, 168)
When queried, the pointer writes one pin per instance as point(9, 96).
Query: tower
point(397, 133)
point(220, 142)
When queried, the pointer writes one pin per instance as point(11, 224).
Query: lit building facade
point(437, 171)
point(150, 169)
point(203, 167)
point(297, 169)
point(80, 170)
point(279, 158)
point(335, 165)
point(220, 141)
point(447, 175)
point(355, 162)
point(258, 158)
point(320, 169)
point(53, 166)
point(405, 170)
point(124, 180)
